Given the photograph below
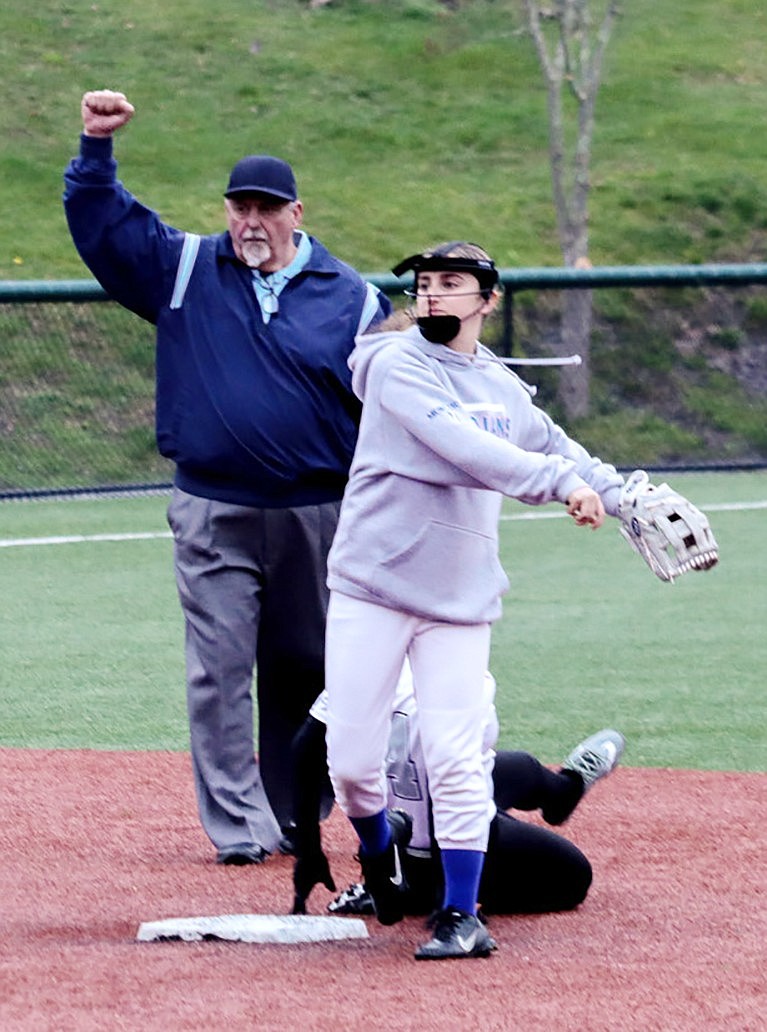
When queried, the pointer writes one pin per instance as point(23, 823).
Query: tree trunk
point(570, 55)
point(575, 339)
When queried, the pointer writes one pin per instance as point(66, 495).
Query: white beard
point(255, 252)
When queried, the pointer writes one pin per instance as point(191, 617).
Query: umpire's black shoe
point(383, 875)
point(287, 843)
point(456, 934)
point(242, 854)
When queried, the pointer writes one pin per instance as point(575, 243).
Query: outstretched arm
point(104, 112)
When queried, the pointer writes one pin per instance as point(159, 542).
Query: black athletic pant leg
point(521, 782)
point(531, 870)
point(290, 655)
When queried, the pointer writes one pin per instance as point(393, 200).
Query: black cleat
point(456, 935)
point(383, 875)
point(354, 900)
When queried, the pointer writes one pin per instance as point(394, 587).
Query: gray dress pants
point(252, 588)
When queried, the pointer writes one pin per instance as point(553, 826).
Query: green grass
point(406, 122)
point(92, 637)
point(591, 638)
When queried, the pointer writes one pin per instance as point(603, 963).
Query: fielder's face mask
point(440, 329)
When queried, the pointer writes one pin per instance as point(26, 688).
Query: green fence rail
point(560, 278)
point(542, 278)
point(514, 281)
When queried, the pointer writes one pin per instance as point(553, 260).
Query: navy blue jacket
point(251, 413)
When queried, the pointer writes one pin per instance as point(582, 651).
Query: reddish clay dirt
point(672, 936)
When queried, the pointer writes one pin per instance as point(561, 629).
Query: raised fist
point(104, 111)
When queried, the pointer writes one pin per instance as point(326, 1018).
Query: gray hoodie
point(444, 436)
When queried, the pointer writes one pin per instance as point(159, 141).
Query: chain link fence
point(76, 399)
point(77, 374)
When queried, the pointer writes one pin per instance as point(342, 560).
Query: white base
point(254, 928)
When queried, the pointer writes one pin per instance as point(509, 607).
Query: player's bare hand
point(105, 111)
point(585, 507)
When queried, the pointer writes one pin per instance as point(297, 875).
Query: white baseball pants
point(366, 646)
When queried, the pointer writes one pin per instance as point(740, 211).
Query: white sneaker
point(596, 756)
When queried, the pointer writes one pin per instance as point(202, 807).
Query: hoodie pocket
point(451, 573)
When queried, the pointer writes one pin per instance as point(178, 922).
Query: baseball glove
point(667, 530)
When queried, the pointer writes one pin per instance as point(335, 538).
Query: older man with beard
point(255, 408)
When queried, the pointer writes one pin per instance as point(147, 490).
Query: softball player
point(414, 572)
point(528, 868)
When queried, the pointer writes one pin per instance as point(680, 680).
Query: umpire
point(255, 408)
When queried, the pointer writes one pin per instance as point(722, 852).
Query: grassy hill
point(406, 122)
point(412, 121)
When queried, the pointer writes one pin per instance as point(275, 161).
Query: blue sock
point(374, 833)
point(463, 870)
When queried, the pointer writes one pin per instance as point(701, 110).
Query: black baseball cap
point(261, 173)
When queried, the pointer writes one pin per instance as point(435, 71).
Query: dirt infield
point(672, 936)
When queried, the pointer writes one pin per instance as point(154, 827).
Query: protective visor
point(483, 269)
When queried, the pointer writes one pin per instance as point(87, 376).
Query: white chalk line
point(78, 539)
